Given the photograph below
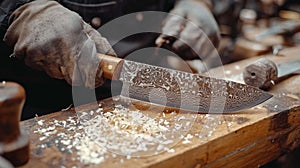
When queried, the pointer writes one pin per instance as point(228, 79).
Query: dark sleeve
point(6, 9)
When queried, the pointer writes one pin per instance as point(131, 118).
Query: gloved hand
point(188, 28)
point(56, 40)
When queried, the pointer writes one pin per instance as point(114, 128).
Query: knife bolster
point(111, 66)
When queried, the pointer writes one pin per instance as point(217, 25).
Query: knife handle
point(262, 74)
point(111, 66)
point(14, 144)
point(12, 97)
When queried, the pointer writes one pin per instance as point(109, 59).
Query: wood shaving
point(293, 96)
point(93, 136)
point(129, 133)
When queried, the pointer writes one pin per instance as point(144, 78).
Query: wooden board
point(250, 138)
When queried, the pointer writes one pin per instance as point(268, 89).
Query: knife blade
point(180, 89)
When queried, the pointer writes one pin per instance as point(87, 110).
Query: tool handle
point(14, 144)
point(111, 66)
point(12, 98)
point(262, 74)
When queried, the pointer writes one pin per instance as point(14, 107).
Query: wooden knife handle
point(262, 74)
point(12, 97)
point(111, 66)
point(14, 144)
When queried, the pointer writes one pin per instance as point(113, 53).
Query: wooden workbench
point(250, 138)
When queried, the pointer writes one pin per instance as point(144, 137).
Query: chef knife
point(180, 89)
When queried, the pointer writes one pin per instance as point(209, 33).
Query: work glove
point(53, 39)
point(190, 30)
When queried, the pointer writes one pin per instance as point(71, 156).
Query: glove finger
point(102, 45)
point(173, 25)
point(205, 48)
point(34, 57)
point(195, 48)
point(206, 52)
point(12, 34)
point(88, 65)
point(188, 40)
point(171, 29)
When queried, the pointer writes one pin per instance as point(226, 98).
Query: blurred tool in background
point(261, 27)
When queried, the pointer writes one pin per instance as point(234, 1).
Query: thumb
point(102, 45)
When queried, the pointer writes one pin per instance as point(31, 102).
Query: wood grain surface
point(249, 138)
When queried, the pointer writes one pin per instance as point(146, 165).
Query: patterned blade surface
point(187, 91)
